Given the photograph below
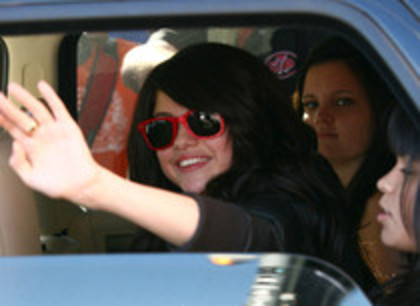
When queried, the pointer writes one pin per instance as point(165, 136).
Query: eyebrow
point(337, 92)
point(308, 96)
point(163, 114)
point(345, 91)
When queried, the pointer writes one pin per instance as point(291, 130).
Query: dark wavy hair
point(379, 158)
point(219, 78)
point(273, 150)
point(404, 135)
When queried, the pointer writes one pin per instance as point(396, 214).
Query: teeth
point(191, 161)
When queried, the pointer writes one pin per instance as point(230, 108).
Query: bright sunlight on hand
point(49, 150)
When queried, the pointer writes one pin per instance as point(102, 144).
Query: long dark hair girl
point(404, 136)
point(378, 158)
point(273, 151)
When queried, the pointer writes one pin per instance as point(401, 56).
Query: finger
point(19, 162)
point(14, 117)
point(53, 100)
point(12, 129)
point(32, 104)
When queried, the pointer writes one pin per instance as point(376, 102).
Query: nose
point(324, 114)
point(385, 184)
point(184, 139)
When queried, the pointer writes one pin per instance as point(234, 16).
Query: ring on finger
point(32, 127)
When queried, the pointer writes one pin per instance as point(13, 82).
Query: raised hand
point(49, 151)
point(50, 155)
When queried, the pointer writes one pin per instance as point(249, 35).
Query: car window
point(89, 78)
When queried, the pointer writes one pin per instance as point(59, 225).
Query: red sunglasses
point(160, 132)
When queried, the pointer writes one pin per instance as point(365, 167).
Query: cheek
point(358, 130)
point(164, 158)
point(308, 119)
point(397, 235)
point(222, 146)
point(403, 241)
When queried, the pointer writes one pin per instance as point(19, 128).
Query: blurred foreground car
point(159, 279)
point(79, 47)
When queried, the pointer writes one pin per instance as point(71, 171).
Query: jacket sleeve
point(227, 227)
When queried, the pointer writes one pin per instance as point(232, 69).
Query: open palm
point(53, 158)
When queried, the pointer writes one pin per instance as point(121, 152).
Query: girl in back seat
point(346, 102)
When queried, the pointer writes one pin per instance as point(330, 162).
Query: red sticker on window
point(282, 63)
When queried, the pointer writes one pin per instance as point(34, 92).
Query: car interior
point(85, 66)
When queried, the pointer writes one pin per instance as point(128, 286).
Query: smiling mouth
point(192, 161)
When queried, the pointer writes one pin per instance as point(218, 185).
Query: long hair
point(273, 150)
point(378, 158)
point(218, 78)
point(405, 141)
point(404, 138)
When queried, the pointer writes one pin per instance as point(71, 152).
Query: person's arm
point(257, 225)
point(171, 216)
point(54, 159)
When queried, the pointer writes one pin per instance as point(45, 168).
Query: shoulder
point(278, 206)
point(402, 290)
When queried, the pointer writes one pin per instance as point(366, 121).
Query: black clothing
point(273, 210)
point(277, 210)
point(403, 289)
point(256, 225)
point(250, 227)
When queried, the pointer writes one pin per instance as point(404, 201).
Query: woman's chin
point(193, 187)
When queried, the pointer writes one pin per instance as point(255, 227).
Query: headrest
point(139, 61)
